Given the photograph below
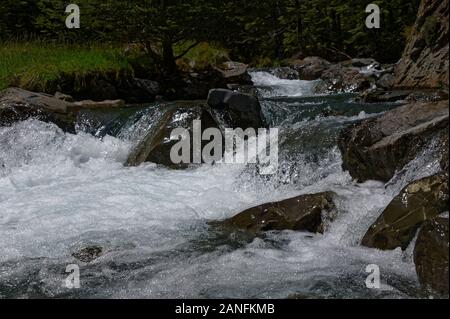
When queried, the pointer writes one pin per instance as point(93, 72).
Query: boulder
point(424, 63)
point(431, 256)
point(235, 72)
point(375, 148)
point(236, 110)
point(382, 96)
point(419, 201)
point(286, 73)
point(156, 145)
point(88, 254)
point(18, 105)
point(341, 79)
point(301, 213)
point(310, 68)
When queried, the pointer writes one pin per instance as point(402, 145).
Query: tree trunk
point(169, 64)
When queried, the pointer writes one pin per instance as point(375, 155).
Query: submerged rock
point(88, 254)
point(236, 110)
point(419, 201)
point(304, 212)
point(431, 256)
point(376, 148)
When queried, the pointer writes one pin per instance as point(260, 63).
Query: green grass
point(36, 64)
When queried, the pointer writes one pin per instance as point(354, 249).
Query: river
point(60, 192)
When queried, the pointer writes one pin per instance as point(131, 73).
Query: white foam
point(272, 86)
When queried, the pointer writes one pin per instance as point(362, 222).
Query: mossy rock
point(418, 202)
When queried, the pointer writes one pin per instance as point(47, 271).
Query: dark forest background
point(266, 30)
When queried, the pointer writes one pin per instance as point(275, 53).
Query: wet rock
point(424, 63)
point(236, 109)
point(381, 96)
point(88, 254)
point(286, 73)
point(302, 213)
point(17, 105)
point(375, 148)
point(341, 79)
point(419, 201)
point(310, 68)
point(156, 145)
point(427, 96)
point(431, 256)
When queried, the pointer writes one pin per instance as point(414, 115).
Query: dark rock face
point(236, 109)
point(88, 254)
point(424, 63)
point(431, 256)
point(376, 148)
point(419, 201)
point(156, 145)
point(305, 212)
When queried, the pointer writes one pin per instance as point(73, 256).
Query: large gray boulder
point(236, 109)
point(376, 148)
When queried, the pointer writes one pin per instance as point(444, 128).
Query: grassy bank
point(36, 64)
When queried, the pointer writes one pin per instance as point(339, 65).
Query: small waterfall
point(271, 86)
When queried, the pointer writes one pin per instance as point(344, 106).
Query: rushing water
point(60, 192)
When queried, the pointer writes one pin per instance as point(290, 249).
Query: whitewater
point(60, 192)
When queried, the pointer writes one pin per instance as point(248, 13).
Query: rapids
point(60, 192)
